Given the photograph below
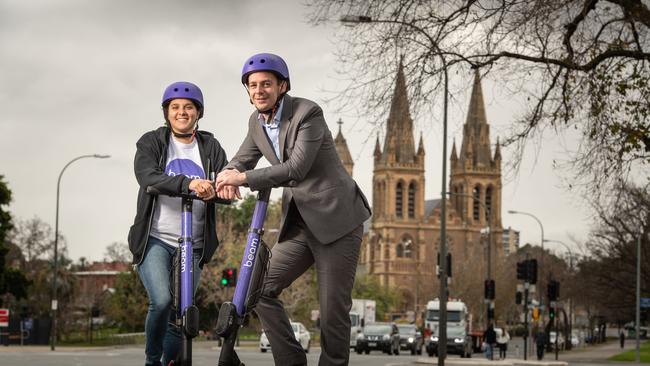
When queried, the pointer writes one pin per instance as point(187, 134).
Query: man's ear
point(283, 86)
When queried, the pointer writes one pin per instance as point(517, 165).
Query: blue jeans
point(489, 351)
point(155, 273)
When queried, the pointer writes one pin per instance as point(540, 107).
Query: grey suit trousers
point(336, 265)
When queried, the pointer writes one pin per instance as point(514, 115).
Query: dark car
point(410, 338)
point(378, 336)
point(458, 342)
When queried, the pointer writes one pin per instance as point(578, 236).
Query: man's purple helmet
point(183, 90)
point(266, 62)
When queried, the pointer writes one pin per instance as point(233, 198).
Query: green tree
point(35, 239)
point(12, 280)
point(127, 306)
point(367, 287)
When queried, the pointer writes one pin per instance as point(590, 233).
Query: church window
point(411, 200)
point(476, 201)
point(399, 251)
point(399, 194)
point(488, 203)
point(408, 248)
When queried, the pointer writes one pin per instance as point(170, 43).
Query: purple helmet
point(266, 62)
point(184, 90)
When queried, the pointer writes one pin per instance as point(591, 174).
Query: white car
point(299, 331)
point(560, 340)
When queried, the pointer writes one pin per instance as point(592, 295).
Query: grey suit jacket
point(309, 169)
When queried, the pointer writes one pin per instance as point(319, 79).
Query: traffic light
point(550, 291)
point(535, 313)
point(551, 313)
point(553, 290)
point(489, 289)
point(521, 270)
point(448, 265)
point(229, 277)
point(518, 297)
point(232, 277)
point(531, 269)
point(224, 278)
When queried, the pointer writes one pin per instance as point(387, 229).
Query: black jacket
point(149, 165)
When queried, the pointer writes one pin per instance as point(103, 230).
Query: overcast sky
point(84, 77)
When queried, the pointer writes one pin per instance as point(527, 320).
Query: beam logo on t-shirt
point(186, 167)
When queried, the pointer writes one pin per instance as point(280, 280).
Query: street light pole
point(54, 305)
point(442, 328)
point(637, 320)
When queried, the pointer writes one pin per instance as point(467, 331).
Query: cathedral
point(400, 246)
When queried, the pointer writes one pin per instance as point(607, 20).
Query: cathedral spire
point(421, 145)
point(399, 145)
point(475, 148)
point(497, 151)
point(343, 150)
point(454, 155)
point(377, 152)
point(476, 111)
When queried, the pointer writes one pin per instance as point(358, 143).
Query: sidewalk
point(598, 354)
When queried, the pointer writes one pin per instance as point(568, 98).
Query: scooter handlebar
point(155, 191)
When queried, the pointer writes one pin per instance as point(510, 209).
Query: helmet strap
point(272, 111)
point(184, 135)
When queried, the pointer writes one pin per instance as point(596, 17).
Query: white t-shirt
point(166, 226)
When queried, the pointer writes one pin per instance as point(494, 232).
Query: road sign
point(4, 318)
point(645, 302)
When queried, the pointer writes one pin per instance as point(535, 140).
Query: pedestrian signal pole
point(526, 271)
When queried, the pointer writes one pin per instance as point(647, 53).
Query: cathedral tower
point(396, 243)
point(476, 172)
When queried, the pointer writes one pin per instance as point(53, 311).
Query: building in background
point(510, 241)
point(400, 245)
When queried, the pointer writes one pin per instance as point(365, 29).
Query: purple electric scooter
point(187, 314)
point(254, 265)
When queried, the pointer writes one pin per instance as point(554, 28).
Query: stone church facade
point(400, 247)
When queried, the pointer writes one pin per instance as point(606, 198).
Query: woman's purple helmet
point(266, 62)
point(183, 90)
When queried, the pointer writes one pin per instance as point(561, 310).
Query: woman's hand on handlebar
point(203, 188)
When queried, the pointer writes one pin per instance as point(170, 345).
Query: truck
point(459, 340)
point(457, 315)
point(363, 311)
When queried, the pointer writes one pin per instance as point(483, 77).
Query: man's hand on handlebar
point(203, 188)
point(228, 182)
point(228, 192)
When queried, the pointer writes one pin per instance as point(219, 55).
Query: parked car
point(378, 336)
point(410, 338)
point(458, 342)
point(299, 331)
point(560, 340)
